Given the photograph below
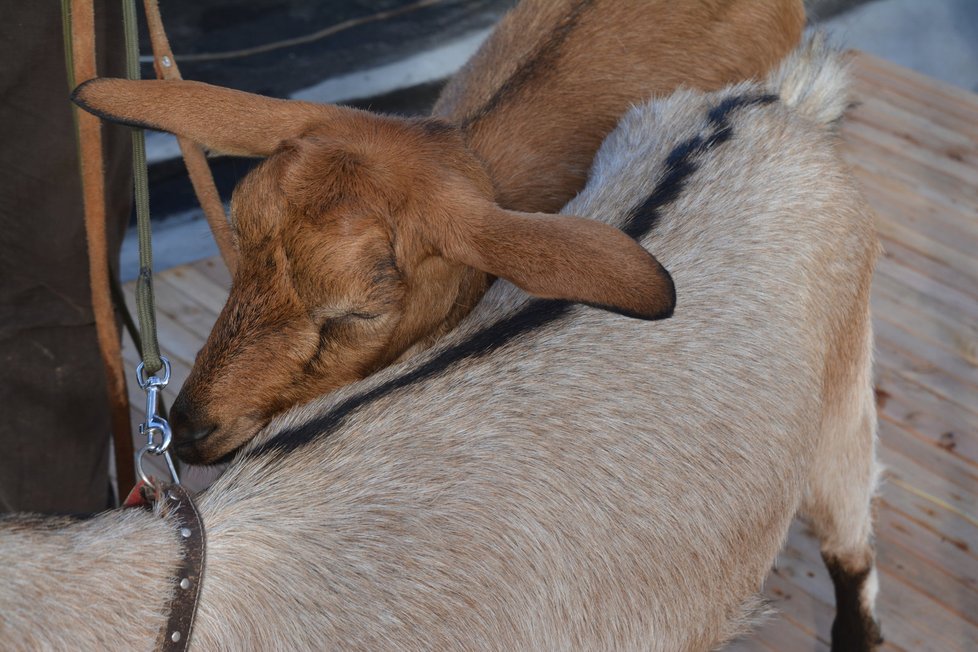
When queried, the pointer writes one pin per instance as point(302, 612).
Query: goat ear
point(221, 119)
point(566, 257)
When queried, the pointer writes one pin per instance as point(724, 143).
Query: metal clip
point(155, 425)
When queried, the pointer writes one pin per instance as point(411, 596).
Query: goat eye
point(363, 315)
point(336, 317)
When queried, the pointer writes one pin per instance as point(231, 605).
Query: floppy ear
point(221, 119)
point(566, 257)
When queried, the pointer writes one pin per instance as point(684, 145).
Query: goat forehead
point(259, 299)
point(398, 148)
point(340, 240)
point(306, 180)
point(257, 210)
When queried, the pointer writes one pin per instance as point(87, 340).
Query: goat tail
point(814, 80)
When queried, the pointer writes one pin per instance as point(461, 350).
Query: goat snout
point(202, 436)
point(190, 425)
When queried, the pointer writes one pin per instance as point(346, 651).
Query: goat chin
point(552, 476)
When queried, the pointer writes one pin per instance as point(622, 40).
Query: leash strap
point(144, 283)
point(148, 372)
point(78, 22)
point(193, 154)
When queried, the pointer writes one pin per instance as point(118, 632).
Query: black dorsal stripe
point(540, 62)
point(680, 164)
point(533, 316)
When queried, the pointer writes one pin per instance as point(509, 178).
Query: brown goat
point(364, 238)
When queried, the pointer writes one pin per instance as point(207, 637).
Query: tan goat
point(551, 476)
point(364, 238)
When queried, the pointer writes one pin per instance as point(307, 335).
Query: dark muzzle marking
point(679, 166)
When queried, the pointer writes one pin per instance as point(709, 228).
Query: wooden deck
point(913, 144)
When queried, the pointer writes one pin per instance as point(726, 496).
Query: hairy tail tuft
point(814, 79)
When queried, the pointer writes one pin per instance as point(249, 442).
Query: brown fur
point(364, 238)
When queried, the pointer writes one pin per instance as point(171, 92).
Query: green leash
point(153, 363)
point(148, 372)
point(145, 301)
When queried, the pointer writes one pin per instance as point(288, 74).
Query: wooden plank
point(953, 393)
point(177, 342)
point(965, 438)
point(898, 351)
point(178, 303)
point(903, 205)
point(917, 498)
point(777, 634)
point(933, 294)
point(906, 255)
point(904, 402)
point(892, 332)
point(918, 151)
point(215, 270)
point(925, 318)
point(964, 263)
point(960, 475)
point(944, 105)
point(955, 559)
point(947, 146)
point(894, 189)
point(802, 609)
point(914, 622)
point(197, 287)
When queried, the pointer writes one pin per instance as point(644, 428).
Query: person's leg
point(54, 417)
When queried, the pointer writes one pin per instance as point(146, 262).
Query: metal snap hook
point(166, 457)
point(155, 425)
point(144, 382)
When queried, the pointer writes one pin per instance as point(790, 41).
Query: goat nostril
point(202, 433)
point(192, 434)
point(186, 431)
point(190, 424)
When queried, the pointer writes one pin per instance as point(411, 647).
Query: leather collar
point(177, 502)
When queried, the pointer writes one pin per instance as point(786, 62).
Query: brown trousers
point(54, 414)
